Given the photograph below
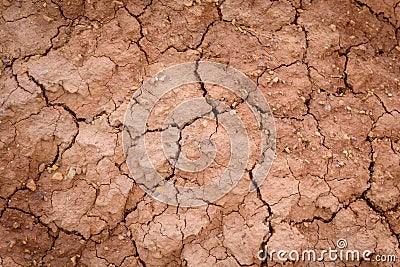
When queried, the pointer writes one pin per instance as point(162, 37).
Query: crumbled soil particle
point(329, 70)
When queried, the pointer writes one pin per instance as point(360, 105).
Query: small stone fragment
point(41, 168)
point(73, 260)
point(31, 185)
point(52, 168)
point(120, 99)
point(57, 176)
point(71, 173)
point(118, 3)
point(11, 244)
point(2, 112)
point(333, 27)
point(16, 225)
point(287, 150)
point(48, 19)
point(68, 30)
point(232, 112)
point(18, 4)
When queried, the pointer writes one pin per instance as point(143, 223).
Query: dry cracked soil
point(329, 70)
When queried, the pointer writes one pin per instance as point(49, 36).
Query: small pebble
point(67, 30)
point(41, 167)
point(47, 18)
point(2, 112)
point(71, 173)
point(52, 168)
point(11, 243)
point(16, 225)
point(73, 260)
point(31, 185)
point(232, 112)
point(272, 58)
point(57, 176)
point(18, 4)
point(333, 27)
point(121, 99)
point(261, 64)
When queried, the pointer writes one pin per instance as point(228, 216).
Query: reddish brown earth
point(329, 69)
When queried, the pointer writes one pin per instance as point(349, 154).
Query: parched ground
point(329, 69)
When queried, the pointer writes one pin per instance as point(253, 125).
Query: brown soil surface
point(329, 69)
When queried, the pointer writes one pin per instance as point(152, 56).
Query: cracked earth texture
point(329, 69)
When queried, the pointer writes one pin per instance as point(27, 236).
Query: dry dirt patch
point(329, 70)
